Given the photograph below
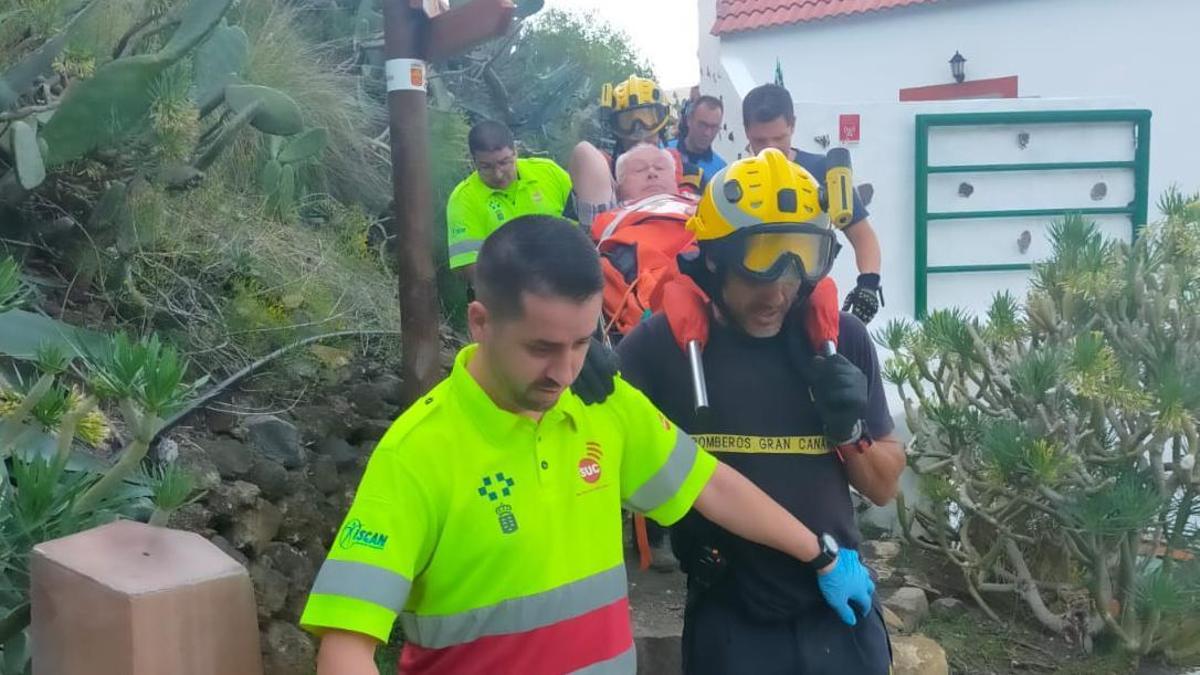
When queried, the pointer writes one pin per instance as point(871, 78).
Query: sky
point(663, 31)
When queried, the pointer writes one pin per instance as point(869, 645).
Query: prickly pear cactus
point(27, 155)
point(117, 99)
point(303, 146)
point(219, 61)
point(225, 137)
point(282, 195)
point(276, 112)
point(280, 175)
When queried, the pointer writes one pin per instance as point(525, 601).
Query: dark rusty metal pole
point(404, 31)
point(410, 37)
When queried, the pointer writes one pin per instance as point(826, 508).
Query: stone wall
point(276, 488)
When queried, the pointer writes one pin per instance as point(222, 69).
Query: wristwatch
point(861, 441)
point(829, 552)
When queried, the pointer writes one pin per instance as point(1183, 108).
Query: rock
point(196, 462)
point(368, 399)
point(166, 451)
point(910, 604)
point(325, 475)
point(352, 475)
point(918, 655)
point(288, 650)
point(299, 570)
point(219, 421)
point(919, 580)
point(392, 388)
point(270, 590)
point(301, 519)
point(320, 421)
point(880, 550)
point(228, 498)
point(299, 483)
point(885, 575)
point(194, 517)
point(314, 550)
point(255, 527)
point(370, 430)
point(228, 549)
point(270, 477)
point(232, 458)
point(947, 607)
point(293, 608)
point(894, 623)
point(335, 447)
point(289, 562)
point(277, 440)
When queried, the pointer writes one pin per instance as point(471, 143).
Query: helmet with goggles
point(634, 108)
point(762, 217)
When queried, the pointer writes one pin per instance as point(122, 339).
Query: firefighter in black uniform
point(804, 427)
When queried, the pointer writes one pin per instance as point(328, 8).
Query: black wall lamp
point(958, 67)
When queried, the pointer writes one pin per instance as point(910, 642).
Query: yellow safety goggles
point(771, 250)
point(649, 117)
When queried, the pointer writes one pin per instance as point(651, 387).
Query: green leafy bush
point(1057, 442)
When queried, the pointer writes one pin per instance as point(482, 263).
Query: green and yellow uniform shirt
point(496, 539)
point(476, 210)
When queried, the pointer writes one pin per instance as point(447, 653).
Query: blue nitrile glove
point(596, 381)
point(847, 584)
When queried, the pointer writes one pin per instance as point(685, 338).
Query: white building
point(886, 61)
point(1106, 66)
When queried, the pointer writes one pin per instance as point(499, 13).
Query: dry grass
point(282, 57)
point(230, 284)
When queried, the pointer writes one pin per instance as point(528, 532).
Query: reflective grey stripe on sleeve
point(376, 585)
point(465, 246)
point(666, 482)
point(518, 614)
point(624, 663)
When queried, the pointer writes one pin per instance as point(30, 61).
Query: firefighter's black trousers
point(720, 639)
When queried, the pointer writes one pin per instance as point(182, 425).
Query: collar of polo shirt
point(491, 419)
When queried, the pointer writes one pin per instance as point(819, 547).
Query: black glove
point(839, 391)
point(865, 299)
point(596, 380)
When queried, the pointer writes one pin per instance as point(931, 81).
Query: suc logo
point(589, 464)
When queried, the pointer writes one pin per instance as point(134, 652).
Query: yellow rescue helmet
point(634, 92)
point(641, 101)
point(762, 211)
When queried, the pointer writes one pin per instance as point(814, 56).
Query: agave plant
point(49, 495)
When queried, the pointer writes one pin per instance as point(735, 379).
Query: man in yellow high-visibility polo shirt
point(489, 517)
point(501, 188)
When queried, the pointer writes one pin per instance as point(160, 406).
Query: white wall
point(886, 161)
point(1141, 51)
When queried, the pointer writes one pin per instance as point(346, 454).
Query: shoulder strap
point(648, 206)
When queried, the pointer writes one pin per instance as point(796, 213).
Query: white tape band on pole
point(405, 75)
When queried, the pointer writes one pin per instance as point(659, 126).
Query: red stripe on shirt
point(563, 647)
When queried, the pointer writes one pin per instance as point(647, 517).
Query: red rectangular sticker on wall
point(849, 128)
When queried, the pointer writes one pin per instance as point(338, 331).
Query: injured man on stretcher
point(644, 173)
